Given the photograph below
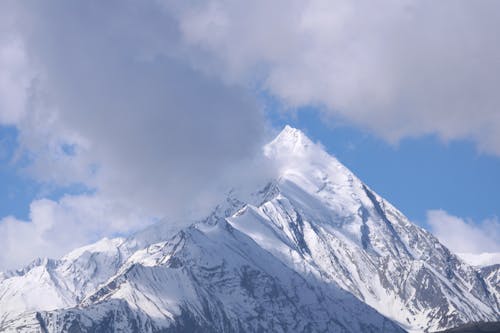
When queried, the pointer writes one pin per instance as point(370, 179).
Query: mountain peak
point(290, 130)
point(291, 134)
point(289, 141)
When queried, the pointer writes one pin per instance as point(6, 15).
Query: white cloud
point(398, 68)
point(465, 236)
point(56, 227)
point(481, 259)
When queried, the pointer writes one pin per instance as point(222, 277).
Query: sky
point(114, 115)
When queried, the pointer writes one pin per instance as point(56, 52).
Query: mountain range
point(312, 250)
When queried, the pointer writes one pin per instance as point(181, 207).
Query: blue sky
point(19, 188)
point(115, 114)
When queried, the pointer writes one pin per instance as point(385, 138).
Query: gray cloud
point(110, 82)
point(104, 94)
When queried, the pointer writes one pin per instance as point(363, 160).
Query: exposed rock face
point(493, 327)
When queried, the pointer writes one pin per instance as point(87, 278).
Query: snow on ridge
point(103, 245)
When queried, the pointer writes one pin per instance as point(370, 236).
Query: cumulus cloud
point(465, 236)
point(398, 68)
point(56, 227)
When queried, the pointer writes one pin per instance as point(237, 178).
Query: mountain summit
point(316, 251)
point(290, 141)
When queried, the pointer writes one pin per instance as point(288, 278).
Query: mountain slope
point(320, 218)
point(213, 278)
point(491, 276)
point(314, 250)
point(476, 328)
point(48, 284)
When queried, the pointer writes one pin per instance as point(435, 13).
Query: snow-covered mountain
point(314, 250)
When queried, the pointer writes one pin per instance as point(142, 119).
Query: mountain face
point(493, 327)
point(314, 250)
point(213, 278)
point(491, 276)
